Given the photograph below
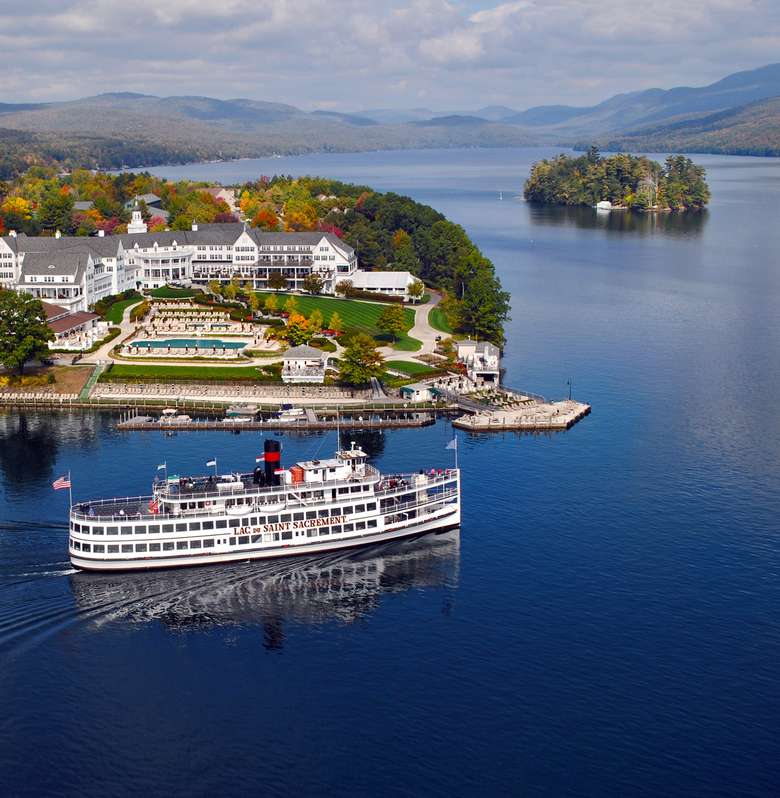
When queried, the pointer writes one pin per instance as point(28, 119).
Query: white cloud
point(356, 53)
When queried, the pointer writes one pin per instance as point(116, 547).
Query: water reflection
point(28, 448)
point(670, 224)
point(337, 587)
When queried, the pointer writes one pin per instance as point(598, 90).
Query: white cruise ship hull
point(315, 507)
point(449, 521)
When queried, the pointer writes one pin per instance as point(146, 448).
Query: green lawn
point(409, 367)
point(438, 320)
point(357, 316)
point(167, 292)
point(121, 371)
point(116, 311)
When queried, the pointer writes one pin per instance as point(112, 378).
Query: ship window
point(285, 517)
point(372, 523)
point(257, 538)
point(167, 527)
point(355, 489)
point(208, 525)
point(154, 547)
point(112, 530)
point(127, 547)
point(311, 533)
point(324, 530)
point(194, 526)
point(140, 546)
point(371, 506)
point(221, 524)
point(98, 548)
point(181, 544)
point(335, 510)
point(311, 514)
point(348, 510)
point(113, 548)
point(360, 525)
point(323, 513)
point(243, 540)
point(141, 530)
point(208, 543)
point(234, 522)
point(245, 522)
point(343, 490)
point(360, 508)
point(273, 519)
point(76, 545)
point(261, 519)
point(232, 541)
point(98, 530)
point(349, 527)
point(194, 544)
point(297, 516)
point(286, 535)
point(275, 536)
point(336, 530)
point(168, 546)
point(181, 527)
point(76, 527)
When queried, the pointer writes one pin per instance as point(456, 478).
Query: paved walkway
point(421, 330)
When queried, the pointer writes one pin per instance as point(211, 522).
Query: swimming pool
point(190, 343)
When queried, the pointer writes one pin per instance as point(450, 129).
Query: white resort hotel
point(74, 272)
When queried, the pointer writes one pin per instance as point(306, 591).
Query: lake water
point(606, 622)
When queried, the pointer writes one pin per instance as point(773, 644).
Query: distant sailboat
point(501, 195)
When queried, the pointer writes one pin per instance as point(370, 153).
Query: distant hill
point(653, 107)
point(208, 128)
point(752, 129)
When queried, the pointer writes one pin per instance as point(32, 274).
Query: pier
point(310, 421)
point(531, 417)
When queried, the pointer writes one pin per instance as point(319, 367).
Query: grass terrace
point(167, 292)
point(121, 372)
point(411, 368)
point(116, 311)
point(437, 318)
point(357, 316)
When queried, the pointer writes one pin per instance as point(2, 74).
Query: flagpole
point(456, 452)
point(70, 492)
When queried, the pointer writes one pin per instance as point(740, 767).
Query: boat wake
point(336, 587)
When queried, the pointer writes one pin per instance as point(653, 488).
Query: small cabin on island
point(304, 364)
point(482, 361)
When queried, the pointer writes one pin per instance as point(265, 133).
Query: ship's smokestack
point(272, 460)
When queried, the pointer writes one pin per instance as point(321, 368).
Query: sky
point(363, 54)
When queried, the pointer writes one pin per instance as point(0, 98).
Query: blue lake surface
point(605, 623)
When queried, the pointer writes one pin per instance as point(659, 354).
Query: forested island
point(626, 181)
point(388, 231)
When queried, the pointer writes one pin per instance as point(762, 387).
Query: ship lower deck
point(439, 521)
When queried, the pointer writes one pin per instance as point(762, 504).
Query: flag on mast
point(211, 463)
point(63, 483)
point(161, 467)
point(260, 458)
point(453, 444)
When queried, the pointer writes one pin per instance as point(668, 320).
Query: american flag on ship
point(63, 483)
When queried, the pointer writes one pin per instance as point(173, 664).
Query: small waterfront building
point(417, 392)
point(388, 283)
point(304, 364)
point(73, 330)
point(482, 361)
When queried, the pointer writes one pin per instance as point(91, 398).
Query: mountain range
point(738, 114)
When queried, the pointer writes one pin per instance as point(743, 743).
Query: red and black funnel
point(272, 460)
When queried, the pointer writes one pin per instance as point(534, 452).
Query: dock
point(533, 417)
point(310, 422)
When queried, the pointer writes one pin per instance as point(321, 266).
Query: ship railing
point(168, 490)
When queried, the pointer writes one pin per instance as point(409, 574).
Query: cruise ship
point(311, 507)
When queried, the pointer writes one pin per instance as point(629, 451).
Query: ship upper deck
point(199, 491)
